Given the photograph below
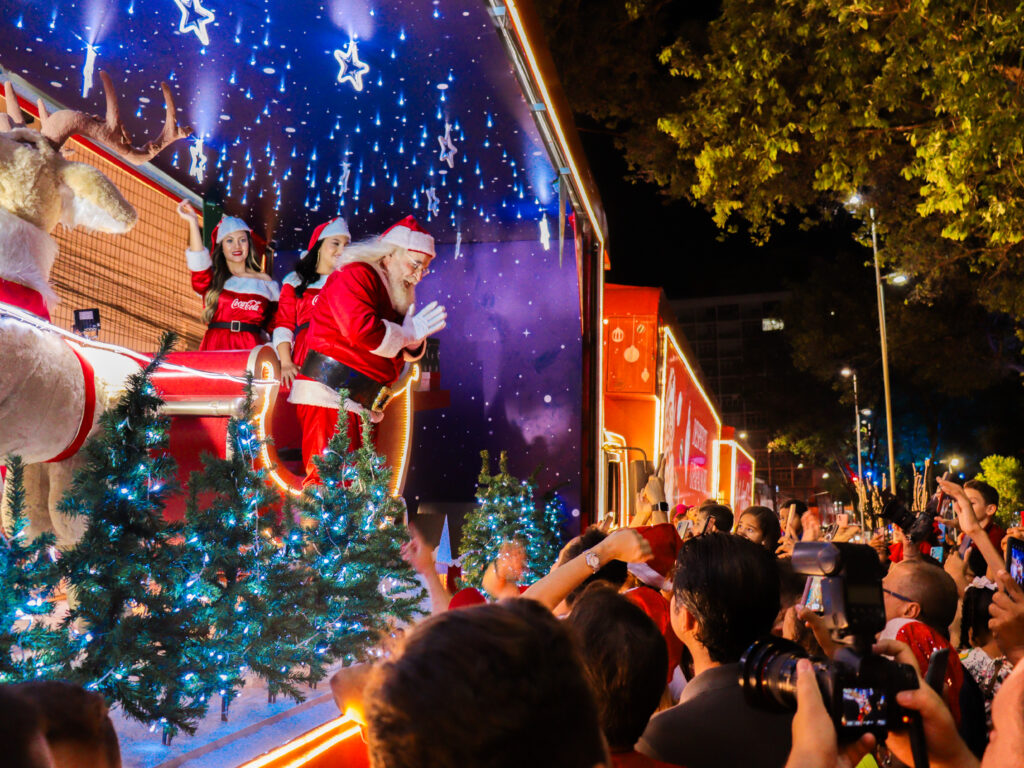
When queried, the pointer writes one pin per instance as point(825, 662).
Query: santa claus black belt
point(370, 394)
point(237, 326)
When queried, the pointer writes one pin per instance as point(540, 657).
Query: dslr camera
point(858, 687)
point(917, 527)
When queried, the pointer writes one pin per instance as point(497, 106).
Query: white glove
point(429, 320)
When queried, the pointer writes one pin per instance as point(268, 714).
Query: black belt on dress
point(370, 394)
point(237, 326)
point(300, 328)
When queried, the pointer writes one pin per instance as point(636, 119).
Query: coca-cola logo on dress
point(313, 302)
point(252, 305)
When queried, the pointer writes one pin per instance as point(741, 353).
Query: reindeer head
point(40, 187)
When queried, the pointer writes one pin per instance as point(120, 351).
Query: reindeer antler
point(13, 117)
point(60, 126)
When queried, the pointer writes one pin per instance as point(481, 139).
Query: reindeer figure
point(52, 391)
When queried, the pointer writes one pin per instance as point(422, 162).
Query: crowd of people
point(628, 654)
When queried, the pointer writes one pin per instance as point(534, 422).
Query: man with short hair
point(725, 596)
point(75, 722)
point(920, 604)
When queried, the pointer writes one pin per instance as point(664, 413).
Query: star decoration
point(198, 168)
point(458, 244)
point(194, 18)
point(448, 149)
point(346, 171)
point(545, 232)
point(433, 205)
point(352, 69)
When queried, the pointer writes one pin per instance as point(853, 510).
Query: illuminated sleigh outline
point(200, 405)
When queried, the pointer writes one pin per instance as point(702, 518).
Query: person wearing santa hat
point(363, 329)
point(238, 296)
point(299, 293)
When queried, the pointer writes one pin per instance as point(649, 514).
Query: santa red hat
point(664, 540)
point(333, 228)
point(466, 598)
point(227, 225)
point(410, 235)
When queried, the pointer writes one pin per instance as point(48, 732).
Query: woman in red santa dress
point(239, 297)
point(299, 293)
point(363, 330)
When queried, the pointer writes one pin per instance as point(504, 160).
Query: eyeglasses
point(418, 266)
point(898, 596)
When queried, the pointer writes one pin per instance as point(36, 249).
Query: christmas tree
point(133, 625)
point(28, 579)
point(353, 546)
point(226, 529)
point(251, 582)
point(506, 511)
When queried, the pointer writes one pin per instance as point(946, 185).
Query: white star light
point(352, 69)
point(433, 206)
point(346, 171)
point(545, 233)
point(458, 244)
point(87, 70)
point(198, 168)
point(194, 18)
point(448, 149)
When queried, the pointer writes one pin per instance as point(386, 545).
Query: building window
point(772, 324)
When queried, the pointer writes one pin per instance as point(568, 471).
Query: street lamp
point(852, 374)
point(954, 463)
point(856, 199)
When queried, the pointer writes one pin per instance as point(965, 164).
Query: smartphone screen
point(863, 707)
point(812, 595)
point(683, 527)
point(1015, 560)
point(938, 553)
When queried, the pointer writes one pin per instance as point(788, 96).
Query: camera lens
point(768, 673)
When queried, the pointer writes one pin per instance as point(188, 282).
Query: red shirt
point(923, 640)
point(348, 322)
point(657, 607)
point(294, 311)
point(248, 300)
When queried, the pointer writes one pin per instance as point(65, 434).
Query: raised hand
point(429, 320)
point(187, 212)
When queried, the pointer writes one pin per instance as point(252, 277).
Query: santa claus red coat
point(347, 324)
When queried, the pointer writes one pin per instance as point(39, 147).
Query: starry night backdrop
point(307, 110)
point(288, 140)
point(511, 357)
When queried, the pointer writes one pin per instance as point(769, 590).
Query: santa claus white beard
point(402, 293)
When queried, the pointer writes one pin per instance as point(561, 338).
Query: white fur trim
point(353, 407)
point(404, 237)
point(281, 335)
point(229, 224)
point(267, 288)
point(198, 261)
point(337, 228)
point(394, 340)
point(27, 255)
point(893, 627)
point(309, 392)
point(295, 281)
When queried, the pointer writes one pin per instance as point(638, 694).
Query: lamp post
point(885, 355)
point(852, 374)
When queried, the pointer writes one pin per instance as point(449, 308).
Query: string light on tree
point(194, 18)
point(352, 68)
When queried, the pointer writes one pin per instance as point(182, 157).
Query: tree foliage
point(787, 108)
point(1006, 475)
point(28, 581)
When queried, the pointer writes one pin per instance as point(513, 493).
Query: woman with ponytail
point(299, 292)
point(239, 297)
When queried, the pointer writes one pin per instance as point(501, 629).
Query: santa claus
point(363, 330)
